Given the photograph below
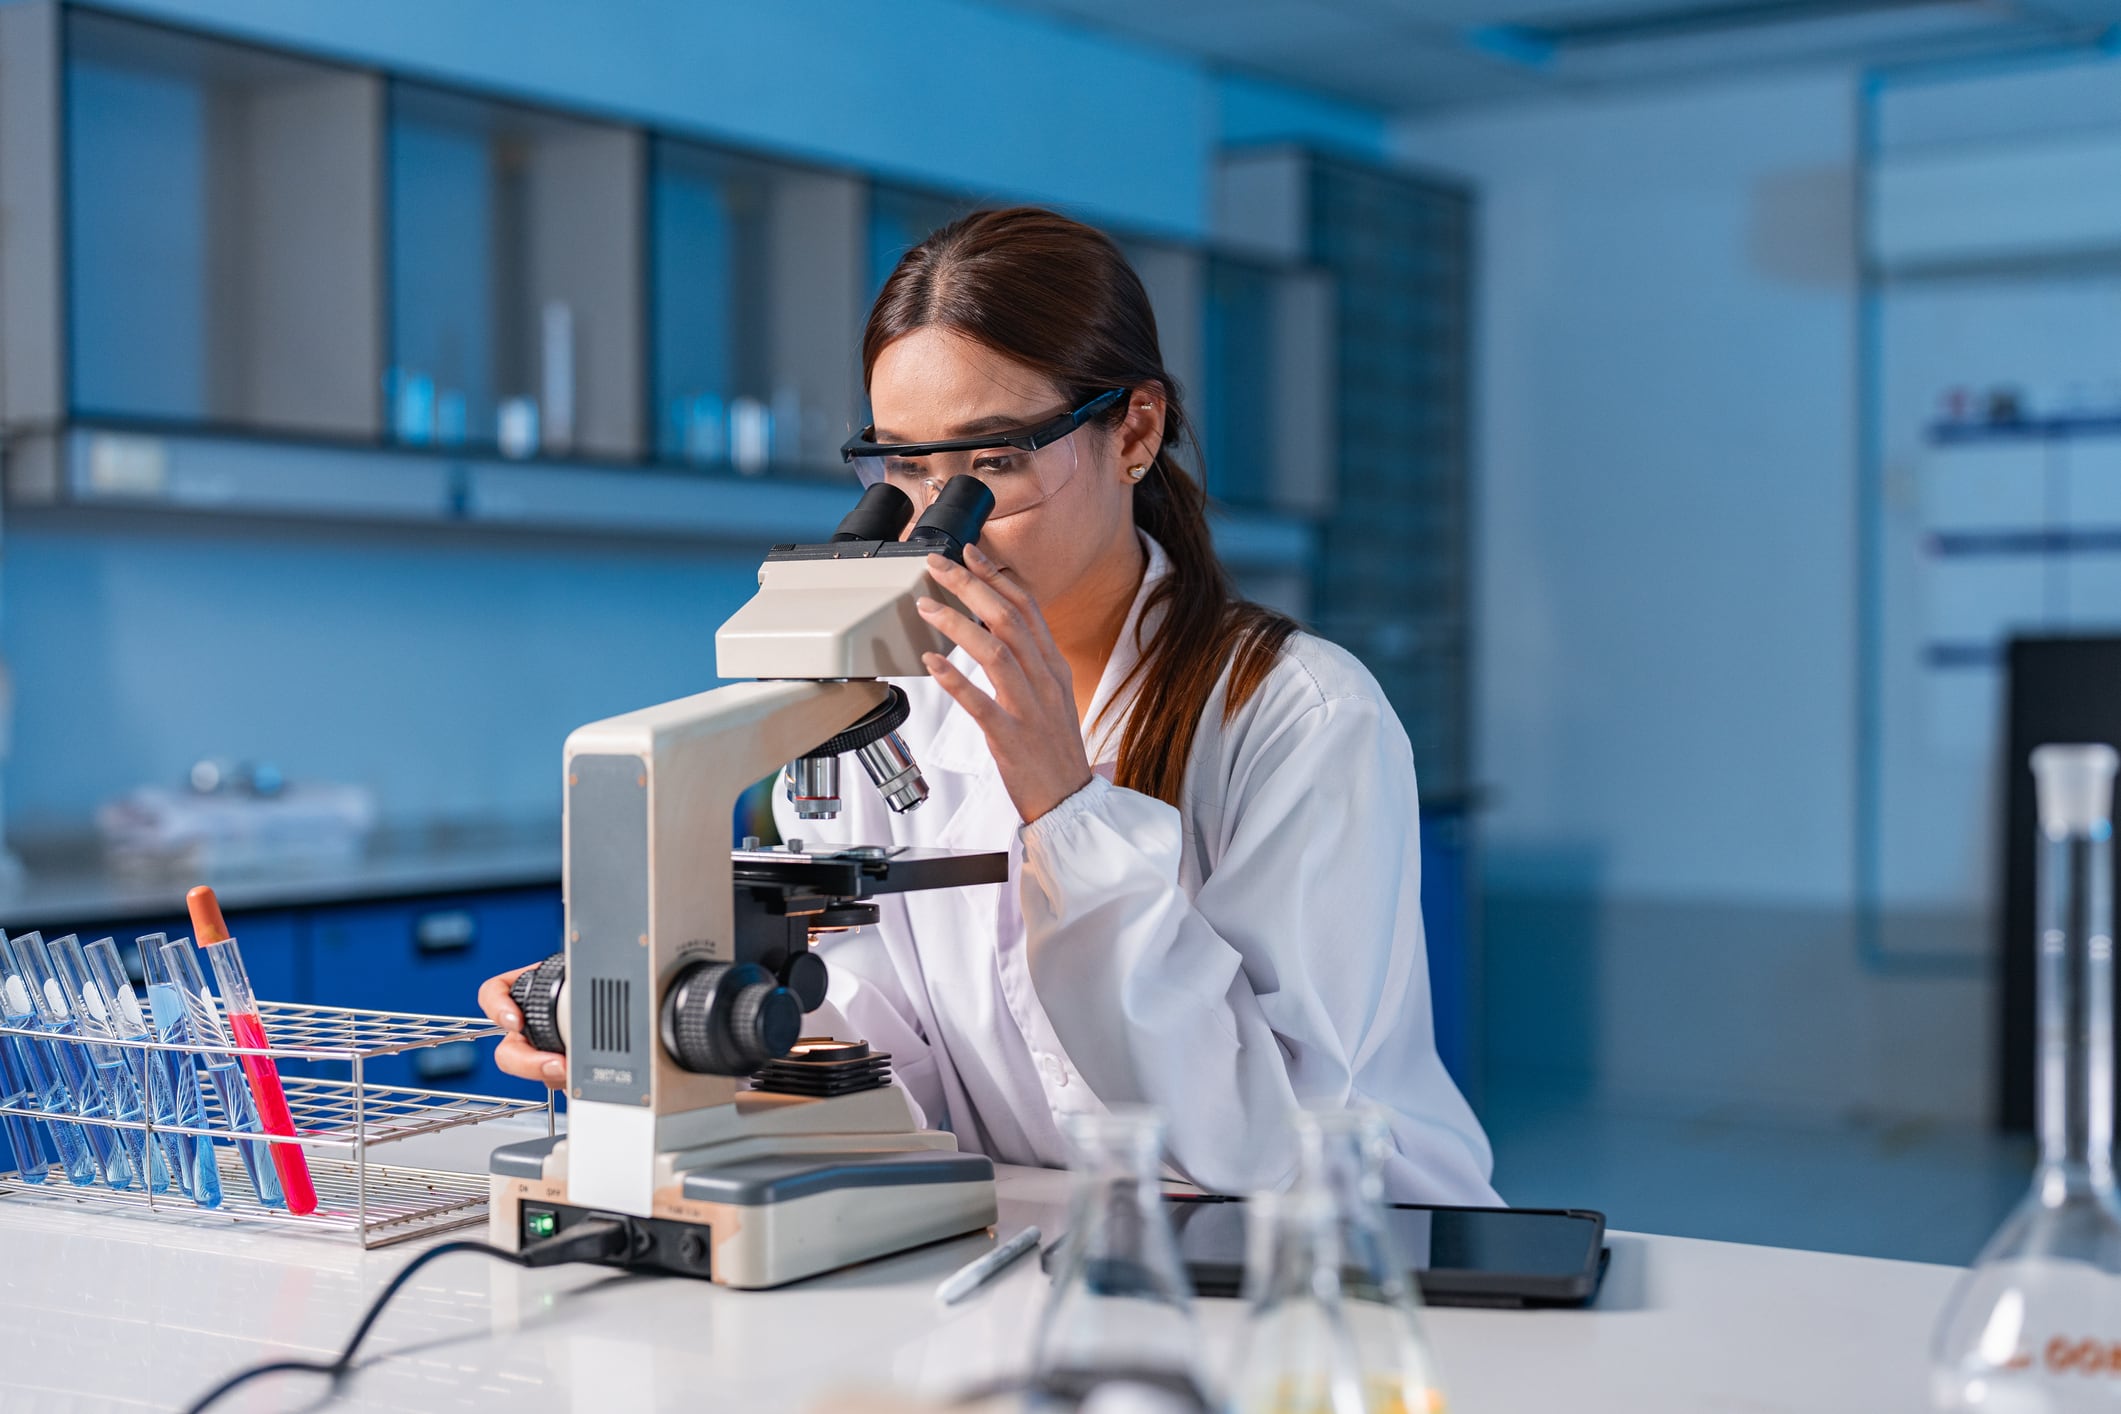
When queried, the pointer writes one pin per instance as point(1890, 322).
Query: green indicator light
point(541, 1224)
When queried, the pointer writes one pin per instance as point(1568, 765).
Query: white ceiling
point(1406, 55)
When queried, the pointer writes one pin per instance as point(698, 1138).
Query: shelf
point(2035, 540)
point(2042, 429)
point(515, 252)
point(221, 243)
point(133, 468)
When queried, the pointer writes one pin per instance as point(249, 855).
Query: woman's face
point(934, 384)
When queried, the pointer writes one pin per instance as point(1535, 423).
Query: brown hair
point(1059, 297)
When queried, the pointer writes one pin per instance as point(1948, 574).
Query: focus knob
point(724, 1018)
point(536, 993)
point(765, 1022)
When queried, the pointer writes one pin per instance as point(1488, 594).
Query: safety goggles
point(1022, 467)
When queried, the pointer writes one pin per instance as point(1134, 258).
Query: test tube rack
point(341, 1120)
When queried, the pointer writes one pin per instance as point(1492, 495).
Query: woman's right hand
point(517, 1056)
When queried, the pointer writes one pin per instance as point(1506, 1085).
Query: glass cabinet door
point(516, 279)
point(223, 260)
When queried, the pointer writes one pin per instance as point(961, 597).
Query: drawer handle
point(453, 1061)
point(450, 930)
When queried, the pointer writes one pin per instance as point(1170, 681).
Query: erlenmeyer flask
point(2036, 1325)
point(1335, 1325)
point(1118, 1327)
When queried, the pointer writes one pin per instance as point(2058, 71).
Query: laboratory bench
point(414, 925)
point(104, 1312)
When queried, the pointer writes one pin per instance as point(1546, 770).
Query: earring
point(1136, 473)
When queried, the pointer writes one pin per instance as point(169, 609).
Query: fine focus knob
point(765, 1022)
point(536, 993)
point(722, 1018)
point(804, 974)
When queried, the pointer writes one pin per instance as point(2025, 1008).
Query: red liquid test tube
point(241, 1006)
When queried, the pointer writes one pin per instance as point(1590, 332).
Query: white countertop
point(107, 1312)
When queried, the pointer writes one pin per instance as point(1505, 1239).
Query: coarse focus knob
point(765, 1022)
point(536, 993)
point(722, 1018)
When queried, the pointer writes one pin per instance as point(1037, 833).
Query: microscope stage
point(866, 870)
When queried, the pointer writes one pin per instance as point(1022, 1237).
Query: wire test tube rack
point(339, 1122)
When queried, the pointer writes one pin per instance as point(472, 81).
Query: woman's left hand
point(1030, 719)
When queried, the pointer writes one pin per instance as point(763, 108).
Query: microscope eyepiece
point(881, 514)
point(955, 520)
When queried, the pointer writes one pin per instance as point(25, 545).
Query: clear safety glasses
point(1022, 467)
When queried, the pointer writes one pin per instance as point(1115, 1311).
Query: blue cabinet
point(424, 954)
point(429, 955)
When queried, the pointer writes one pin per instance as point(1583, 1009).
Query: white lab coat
point(1258, 949)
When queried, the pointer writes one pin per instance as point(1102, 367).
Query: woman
point(1215, 896)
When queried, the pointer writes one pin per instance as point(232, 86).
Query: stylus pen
point(978, 1272)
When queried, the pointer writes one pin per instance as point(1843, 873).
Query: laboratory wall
point(1667, 623)
point(443, 669)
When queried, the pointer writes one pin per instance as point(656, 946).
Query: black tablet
point(1460, 1256)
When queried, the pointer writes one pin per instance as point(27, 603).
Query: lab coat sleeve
point(865, 999)
point(1295, 972)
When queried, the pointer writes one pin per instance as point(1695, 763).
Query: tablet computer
point(1459, 1256)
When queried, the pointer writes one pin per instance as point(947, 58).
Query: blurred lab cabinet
point(900, 218)
point(191, 229)
point(430, 955)
point(1391, 576)
point(1266, 411)
point(426, 954)
point(515, 256)
point(758, 302)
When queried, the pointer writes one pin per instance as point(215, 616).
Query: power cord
point(589, 1241)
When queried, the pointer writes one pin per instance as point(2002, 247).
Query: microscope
point(730, 1147)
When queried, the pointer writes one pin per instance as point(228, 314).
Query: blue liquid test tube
point(54, 1096)
point(27, 1142)
point(178, 1071)
point(121, 1153)
point(106, 1008)
point(180, 960)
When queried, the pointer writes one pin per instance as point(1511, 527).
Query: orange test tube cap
point(207, 925)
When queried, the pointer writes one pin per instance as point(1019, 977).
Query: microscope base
point(765, 1220)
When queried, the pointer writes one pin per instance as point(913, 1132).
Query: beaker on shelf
point(2035, 1326)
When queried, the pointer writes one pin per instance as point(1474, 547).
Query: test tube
point(241, 1004)
point(27, 1141)
point(122, 1153)
point(177, 993)
point(171, 1084)
point(40, 1064)
point(111, 1080)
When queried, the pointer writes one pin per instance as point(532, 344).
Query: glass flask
point(1335, 1325)
point(2036, 1325)
point(1118, 1327)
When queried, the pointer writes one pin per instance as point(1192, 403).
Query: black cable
point(588, 1241)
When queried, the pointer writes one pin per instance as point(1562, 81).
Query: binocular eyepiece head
point(953, 521)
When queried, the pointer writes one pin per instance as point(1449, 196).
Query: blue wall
point(444, 669)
